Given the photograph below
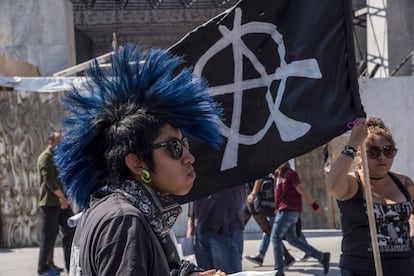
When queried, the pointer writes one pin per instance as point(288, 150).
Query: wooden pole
point(370, 211)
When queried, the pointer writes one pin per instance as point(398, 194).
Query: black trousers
point(52, 218)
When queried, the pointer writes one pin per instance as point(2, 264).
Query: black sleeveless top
point(393, 231)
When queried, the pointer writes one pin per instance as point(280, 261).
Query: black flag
point(285, 73)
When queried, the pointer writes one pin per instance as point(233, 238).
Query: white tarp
point(42, 84)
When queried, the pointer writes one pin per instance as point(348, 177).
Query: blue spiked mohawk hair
point(154, 89)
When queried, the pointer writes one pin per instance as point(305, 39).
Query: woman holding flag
point(392, 197)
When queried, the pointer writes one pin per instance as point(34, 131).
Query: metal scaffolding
point(101, 5)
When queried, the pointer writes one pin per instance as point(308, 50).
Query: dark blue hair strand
point(155, 85)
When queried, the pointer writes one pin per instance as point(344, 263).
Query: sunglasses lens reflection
point(388, 150)
point(176, 147)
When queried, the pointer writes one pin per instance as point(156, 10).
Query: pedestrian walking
point(260, 204)
point(288, 197)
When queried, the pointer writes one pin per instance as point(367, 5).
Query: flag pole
point(370, 211)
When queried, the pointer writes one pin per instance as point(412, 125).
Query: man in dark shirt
point(55, 210)
point(217, 222)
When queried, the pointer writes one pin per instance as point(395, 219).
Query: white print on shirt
point(392, 227)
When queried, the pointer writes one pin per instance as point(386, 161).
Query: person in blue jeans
point(288, 205)
point(217, 223)
point(265, 220)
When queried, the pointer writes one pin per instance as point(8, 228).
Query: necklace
point(376, 178)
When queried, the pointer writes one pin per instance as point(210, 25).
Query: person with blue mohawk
point(124, 152)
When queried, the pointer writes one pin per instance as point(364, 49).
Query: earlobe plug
point(146, 176)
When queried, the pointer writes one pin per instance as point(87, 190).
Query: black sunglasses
point(175, 146)
point(374, 152)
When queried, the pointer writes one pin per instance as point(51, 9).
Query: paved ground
point(324, 240)
point(22, 261)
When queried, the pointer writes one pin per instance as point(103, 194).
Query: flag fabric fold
point(285, 74)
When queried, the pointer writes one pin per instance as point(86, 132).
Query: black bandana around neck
point(160, 210)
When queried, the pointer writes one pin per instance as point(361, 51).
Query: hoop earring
point(146, 176)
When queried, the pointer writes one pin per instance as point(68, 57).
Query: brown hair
point(377, 127)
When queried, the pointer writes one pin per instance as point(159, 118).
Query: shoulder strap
point(397, 181)
point(360, 187)
point(400, 186)
point(358, 178)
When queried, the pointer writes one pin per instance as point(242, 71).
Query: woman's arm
point(339, 183)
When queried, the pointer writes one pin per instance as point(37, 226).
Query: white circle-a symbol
point(289, 129)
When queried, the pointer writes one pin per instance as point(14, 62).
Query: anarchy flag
point(284, 72)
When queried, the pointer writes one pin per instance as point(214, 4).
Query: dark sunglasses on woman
point(374, 152)
point(175, 146)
